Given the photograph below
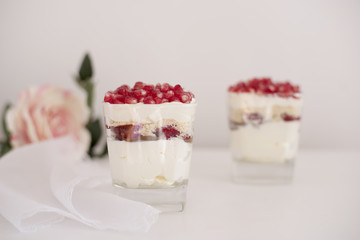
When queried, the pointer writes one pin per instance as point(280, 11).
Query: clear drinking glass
point(150, 148)
point(264, 130)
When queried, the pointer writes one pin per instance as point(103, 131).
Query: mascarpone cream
point(161, 163)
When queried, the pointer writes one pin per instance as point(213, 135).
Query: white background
point(204, 45)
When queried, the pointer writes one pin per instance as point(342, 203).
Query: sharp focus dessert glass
point(149, 137)
point(264, 121)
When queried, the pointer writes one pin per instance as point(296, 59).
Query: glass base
point(262, 173)
point(164, 199)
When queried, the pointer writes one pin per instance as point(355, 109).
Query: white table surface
point(323, 202)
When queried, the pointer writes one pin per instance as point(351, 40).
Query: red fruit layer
point(131, 133)
point(148, 94)
point(265, 86)
point(289, 118)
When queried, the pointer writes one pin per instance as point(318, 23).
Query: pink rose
point(48, 112)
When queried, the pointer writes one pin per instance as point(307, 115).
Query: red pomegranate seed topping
point(174, 99)
point(123, 90)
point(178, 89)
point(138, 85)
point(156, 93)
point(130, 100)
point(165, 87)
point(149, 100)
point(185, 97)
point(138, 93)
point(108, 97)
point(148, 94)
point(119, 99)
point(266, 86)
point(148, 88)
point(169, 94)
point(157, 100)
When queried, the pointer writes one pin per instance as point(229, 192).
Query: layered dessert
point(264, 120)
point(149, 135)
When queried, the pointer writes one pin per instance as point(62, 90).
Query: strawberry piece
point(170, 132)
point(127, 132)
point(288, 118)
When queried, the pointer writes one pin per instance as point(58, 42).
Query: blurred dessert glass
point(149, 137)
point(264, 119)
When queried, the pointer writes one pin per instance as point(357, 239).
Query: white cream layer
point(272, 142)
point(149, 163)
point(251, 100)
point(119, 114)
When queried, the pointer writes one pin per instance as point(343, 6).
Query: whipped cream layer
point(122, 114)
point(245, 100)
point(270, 107)
point(273, 142)
point(161, 163)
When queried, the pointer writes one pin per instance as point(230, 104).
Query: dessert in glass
point(264, 119)
point(149, 136)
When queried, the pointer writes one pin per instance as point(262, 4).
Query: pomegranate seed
point(148, 88)
point(169, 94)
point(108, 97)
point(178, 89)
point(149, 100)
point(187, 138)
point(157, 100)
point(156, 93)
point(130, 100)
point(174, 99)
point(164, 100)
point(123, 90)
point(138, 85)
point(139, 93)
point(185, 97)
point(165, 87)
point(119, 99)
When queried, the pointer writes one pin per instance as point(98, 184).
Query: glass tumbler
point(150, 148)
point(264, 135)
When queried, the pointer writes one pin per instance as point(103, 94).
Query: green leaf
point(5, 147)
point(86, 70)
point(88, 86)
point(4, 126)
point(95, 130)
